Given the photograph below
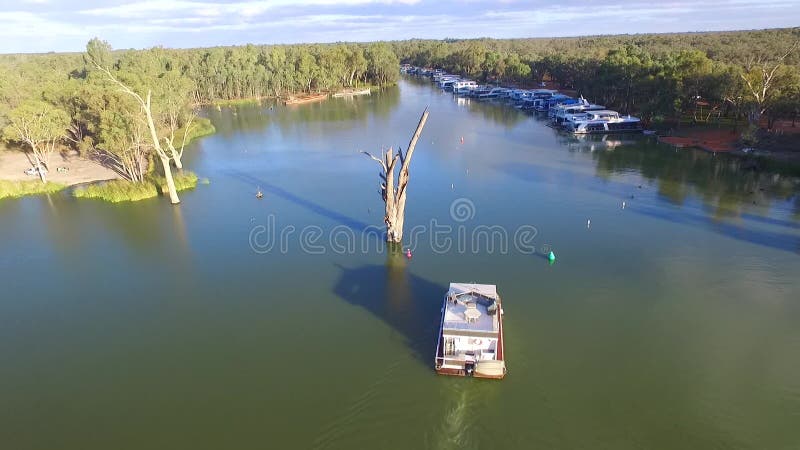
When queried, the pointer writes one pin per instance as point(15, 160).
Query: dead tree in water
point(394, 196)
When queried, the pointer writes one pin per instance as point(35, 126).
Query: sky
point(66, 25)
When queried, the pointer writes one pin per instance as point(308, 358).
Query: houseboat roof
point(471, 308)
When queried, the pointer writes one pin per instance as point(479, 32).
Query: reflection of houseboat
point(471, 333)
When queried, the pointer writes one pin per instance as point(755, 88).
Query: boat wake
point(350, 421)
point(459, 428)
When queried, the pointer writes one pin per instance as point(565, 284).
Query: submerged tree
point(394, 196)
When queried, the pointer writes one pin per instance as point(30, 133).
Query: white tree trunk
point(395, 197)
point(173, 193)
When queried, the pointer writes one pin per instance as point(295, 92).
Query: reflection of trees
point(498, 112)
point(256, 117)
point(724, 183)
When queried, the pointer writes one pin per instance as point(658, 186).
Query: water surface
point(671, 323)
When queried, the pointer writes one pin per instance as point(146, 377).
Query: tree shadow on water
point(409, 304)
point(354, 224)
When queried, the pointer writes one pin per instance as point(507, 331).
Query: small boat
point(305, 98)
point(471, 333)
point(259, 194)
point(352, 92)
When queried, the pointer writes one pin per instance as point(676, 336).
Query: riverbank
point(775, 150)
point(14, 163)
point(260, 99)
point(95, 179)
point(711, 140)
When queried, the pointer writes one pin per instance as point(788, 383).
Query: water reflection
point(498, 112)
point(404, 301)
point(723, 201)
point(725, 184)
point(233, 120)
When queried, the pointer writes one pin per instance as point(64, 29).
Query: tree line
point(129, 108)
point(658, 76)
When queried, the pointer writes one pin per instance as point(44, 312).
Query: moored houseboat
point(471, 332)
point(606, 121)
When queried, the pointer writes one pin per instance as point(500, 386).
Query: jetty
point(471, 332)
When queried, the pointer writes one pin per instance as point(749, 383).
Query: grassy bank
point(15, 189)
point(240, 101)
point(201, 127)
point(117, 191)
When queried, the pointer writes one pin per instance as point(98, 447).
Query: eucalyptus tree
point(760, 75)
point(39, 126)
point(122, 139)
point(96, 54)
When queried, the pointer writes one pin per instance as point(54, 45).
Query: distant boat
point(352, 92)
point(471, 332)
point(305, 98)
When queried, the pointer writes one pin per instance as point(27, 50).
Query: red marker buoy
point(408, 253)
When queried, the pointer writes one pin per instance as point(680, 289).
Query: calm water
point(671, 324)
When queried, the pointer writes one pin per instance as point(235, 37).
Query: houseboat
point(605, 121)
point(462, 87)
point(560, 113)
point(471, 332)
point(497, 92)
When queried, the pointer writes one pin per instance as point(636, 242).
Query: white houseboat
point(464, 86)
point(560, 113)
point(605, 121)
point(497, 92)
point(471, 332)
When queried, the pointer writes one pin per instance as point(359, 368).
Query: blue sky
point(66, 25)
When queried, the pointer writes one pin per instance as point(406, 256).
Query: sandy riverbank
point(13, 165)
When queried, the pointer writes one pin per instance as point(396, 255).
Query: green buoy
point(551, 256)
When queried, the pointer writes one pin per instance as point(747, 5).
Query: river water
point(233, 322)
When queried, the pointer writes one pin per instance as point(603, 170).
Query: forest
point(658, 76)
point(131, 109)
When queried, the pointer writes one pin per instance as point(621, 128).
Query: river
point(231, 322)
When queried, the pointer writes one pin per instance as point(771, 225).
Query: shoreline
point(81, 172)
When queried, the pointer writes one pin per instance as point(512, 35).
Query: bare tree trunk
point(173, 193)
point(39, 167)
point(395, 197)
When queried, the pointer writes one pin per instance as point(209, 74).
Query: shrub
point(14, 189)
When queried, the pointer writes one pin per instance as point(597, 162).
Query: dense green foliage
point(14, 189)
point(117, 191)
point(80, 100)
point(58, 101)
point(654, 75)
